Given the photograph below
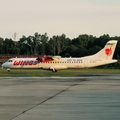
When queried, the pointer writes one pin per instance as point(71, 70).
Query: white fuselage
point(63, 63)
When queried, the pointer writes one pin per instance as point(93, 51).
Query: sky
point(55, 17)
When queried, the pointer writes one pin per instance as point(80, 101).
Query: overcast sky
point(54, 17)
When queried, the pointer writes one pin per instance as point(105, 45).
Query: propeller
point(38, 59)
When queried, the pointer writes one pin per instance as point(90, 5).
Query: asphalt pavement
point(60, 98)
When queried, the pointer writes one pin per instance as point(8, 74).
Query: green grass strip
point(61, 73)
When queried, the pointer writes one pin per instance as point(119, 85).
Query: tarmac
point(60, 98)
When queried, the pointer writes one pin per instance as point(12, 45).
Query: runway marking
point(47, 99)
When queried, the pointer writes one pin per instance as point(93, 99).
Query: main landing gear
point(54, 70)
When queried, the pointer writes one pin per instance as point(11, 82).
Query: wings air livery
point(55, 63)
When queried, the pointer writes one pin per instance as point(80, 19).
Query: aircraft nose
point(3, 65)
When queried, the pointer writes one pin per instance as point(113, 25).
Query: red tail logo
point(108, 51)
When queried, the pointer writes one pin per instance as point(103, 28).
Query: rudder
point(108, 51)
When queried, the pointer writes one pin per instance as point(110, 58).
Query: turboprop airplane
point(55, 63)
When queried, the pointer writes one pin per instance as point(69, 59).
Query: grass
point(62, 73)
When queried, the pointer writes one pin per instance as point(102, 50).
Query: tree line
point(41, 44)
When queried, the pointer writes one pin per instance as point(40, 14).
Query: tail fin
point(108, 51)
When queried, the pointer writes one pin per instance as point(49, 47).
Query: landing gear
point(54, 70)
point(8, 69)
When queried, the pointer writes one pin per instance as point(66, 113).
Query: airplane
point(56, 63)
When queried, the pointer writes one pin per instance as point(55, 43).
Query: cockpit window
point(9, 60)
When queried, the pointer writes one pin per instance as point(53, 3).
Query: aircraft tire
point(8, 70)
point(54, 70)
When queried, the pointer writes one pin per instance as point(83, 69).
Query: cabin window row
point(62, 62)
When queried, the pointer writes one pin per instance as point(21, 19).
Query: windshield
point(10, 60)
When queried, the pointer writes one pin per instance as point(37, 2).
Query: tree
point(43, 44)
point(59, 44)
point(8, 46)
point(24, 48)
point(1, 45)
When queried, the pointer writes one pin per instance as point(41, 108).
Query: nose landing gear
point(8, 69)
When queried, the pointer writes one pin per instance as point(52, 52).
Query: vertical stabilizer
point(108, 51)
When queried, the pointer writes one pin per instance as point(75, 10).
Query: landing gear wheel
point(54, 70)
point(8, 70)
